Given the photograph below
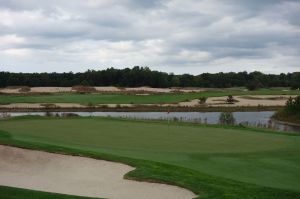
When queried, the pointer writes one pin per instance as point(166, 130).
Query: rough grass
point(286, 116)
point(212, 161)
point(130, 99)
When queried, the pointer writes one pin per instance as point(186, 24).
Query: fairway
point(130, 99)
point(247, 156)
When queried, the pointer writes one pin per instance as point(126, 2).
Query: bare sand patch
point(164, 90)
point(21, 105)
point(192, 103)
point(189, 90)
point(149, 89)
point(244, 101)
point(37, 90)
point(80, 176)
point(50, 89)
point(9, 90)
point(112, 89)
point(107, 89)
point(69, 105)
point(257, 100)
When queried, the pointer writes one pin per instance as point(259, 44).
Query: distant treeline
point(143, 76)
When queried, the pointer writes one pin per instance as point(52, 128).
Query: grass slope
point(128, 99)
point(211, 161)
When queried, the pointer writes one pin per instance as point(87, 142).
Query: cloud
point(7, 40)
point(192, 36)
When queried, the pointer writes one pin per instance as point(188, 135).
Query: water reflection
point(226, 118)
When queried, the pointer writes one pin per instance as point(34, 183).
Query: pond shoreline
point(285, 122)
point(260, 119)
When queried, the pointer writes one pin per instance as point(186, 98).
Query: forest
point(143, 76)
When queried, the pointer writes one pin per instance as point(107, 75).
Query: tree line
point(143, 76)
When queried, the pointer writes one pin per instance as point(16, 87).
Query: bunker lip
point(76, 175)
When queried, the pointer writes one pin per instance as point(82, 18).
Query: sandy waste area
point(102, 89)
point(80, 176)
point(254, 100)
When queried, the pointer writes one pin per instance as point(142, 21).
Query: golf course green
point(212, 161)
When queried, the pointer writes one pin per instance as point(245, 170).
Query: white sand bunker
point(80, 176)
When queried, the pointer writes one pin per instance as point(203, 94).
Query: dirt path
point(81, 176)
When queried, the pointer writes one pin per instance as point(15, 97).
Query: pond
point(255, 119)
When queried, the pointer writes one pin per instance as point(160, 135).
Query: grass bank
point(212, 161)
point(153, 108)
point(290, 112)
point(285, 116)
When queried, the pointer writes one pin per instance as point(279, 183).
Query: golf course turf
point(16, 193)
point(130, 99)
point(212, 161)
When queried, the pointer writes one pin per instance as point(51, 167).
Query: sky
point(179, 36)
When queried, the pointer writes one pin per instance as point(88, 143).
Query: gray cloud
point(170, 35)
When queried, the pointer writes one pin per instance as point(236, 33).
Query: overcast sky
point(180, 36)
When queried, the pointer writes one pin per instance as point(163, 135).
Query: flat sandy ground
point(80, 176)
point(102, 89)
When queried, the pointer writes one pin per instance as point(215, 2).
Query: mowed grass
point(224, 162)
point(131, 99)
point(15, 193)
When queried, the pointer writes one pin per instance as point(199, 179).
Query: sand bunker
point(80, 176)
point(38, 90)
point(12, 90)
point(245, 101)
point(164, 90)
point(255, 100)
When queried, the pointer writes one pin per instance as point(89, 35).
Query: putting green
point(265, 159)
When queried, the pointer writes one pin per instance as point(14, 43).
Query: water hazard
point(255, 119)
